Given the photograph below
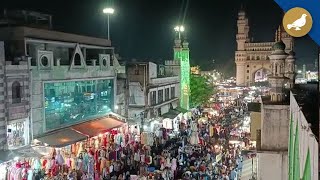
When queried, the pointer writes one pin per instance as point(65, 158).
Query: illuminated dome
point(279, 46)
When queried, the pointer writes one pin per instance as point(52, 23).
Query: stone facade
point(251, 58)
point(15, 99)
point(36, 61)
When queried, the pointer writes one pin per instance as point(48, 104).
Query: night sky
point(143, 29)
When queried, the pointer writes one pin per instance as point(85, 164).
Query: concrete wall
point(255, 124)
point(3, 124)
point(272, 166)
point(274, 127)
point(153, 70)
point(19, 33)
point(307, 140)
point(134, 114)
point(172, 68)
point(137, 73)
point(122, 98)
point(164, 80)
point(136, 94)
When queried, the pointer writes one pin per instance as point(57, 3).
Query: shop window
point(16, 135)
point(16, 92)
point(72, 102)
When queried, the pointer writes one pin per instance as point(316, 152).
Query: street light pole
point(108, 26)
point(179, 30)
point(108, 11)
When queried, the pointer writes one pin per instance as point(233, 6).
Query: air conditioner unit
point(45, 59)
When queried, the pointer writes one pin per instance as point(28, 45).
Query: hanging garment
point(91, 166)
point(73, 163)
point(102, 164)
point(96, 143)
point(37, 164)
point(59, 159)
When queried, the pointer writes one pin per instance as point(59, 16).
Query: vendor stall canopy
point(26, 152)
point(82, 131)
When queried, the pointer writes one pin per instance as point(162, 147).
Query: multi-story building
point(252, 58)
point(303, 132)
point(53, 83)
point(153, 91)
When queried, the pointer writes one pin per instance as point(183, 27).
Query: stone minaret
point(240, 55)
point(277, 77)
point(282, 35)
point(177, 48)
point(290, 69)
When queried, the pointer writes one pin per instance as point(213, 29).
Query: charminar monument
point(252, 58)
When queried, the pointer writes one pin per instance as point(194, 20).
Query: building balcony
point(164, 80)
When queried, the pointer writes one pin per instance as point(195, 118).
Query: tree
point(200, 90)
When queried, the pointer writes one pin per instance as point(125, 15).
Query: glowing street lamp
point(108, 11)
point(179, 30)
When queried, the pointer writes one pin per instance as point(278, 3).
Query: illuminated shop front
point(72, 102)
point(17, 134)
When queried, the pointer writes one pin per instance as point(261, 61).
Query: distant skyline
point(143, 29)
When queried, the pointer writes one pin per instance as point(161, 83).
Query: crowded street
point(203, 143)
point(150, 90)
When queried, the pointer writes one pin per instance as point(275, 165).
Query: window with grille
point(160, 96)
point(166, 95)
point(173, 92)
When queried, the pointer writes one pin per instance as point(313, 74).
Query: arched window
point(273, 97)
point(16, 92)
point(279, 97)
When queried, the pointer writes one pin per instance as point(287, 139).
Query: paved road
point(247, 169)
